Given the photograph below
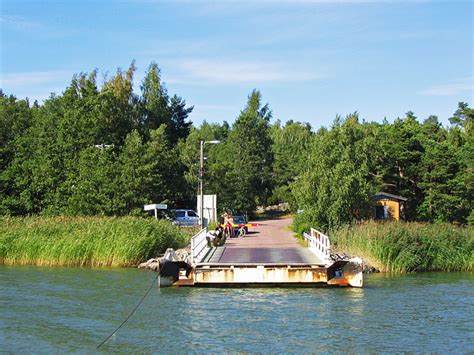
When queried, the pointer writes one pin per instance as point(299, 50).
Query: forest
point(101, 149)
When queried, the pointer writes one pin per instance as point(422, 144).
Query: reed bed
point(408, 247)
point(85, 241)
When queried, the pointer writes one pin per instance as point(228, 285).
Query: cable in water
point(131, 313)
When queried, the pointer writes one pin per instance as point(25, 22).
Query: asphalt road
point(271, 241)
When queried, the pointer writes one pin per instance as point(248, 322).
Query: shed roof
point(390, 196)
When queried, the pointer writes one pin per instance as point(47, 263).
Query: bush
point(304, 221)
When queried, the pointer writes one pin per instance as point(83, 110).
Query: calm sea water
point(46, 310)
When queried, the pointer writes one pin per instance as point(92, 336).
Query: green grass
point(85, 241)
point(408, 247)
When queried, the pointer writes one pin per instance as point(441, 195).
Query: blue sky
point(311, 60)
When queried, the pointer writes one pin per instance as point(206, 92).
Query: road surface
point(270, 242)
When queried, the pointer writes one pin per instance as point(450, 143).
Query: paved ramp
point(271, 242)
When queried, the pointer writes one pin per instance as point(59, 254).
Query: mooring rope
point(132, 312)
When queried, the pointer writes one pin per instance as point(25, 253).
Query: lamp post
point(201, 177)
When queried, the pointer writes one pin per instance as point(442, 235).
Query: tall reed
point(406, 247)
point(85, 241)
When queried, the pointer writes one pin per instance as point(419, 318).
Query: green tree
point(290, 150)
point(166, 182)
point(399, 165)
point(54, 147)
point(179, 127)
point(15, 120)
point(442, 188)
point(246, 158)
point(333, 189)
point(214, 171)
point(134, 175)
point(157, 108)
point(118, 107)
point(154, 100)
point(38, 165)
point(95, 190)
point(463, 117)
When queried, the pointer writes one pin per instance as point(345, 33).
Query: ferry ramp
point(269, 255)
point(270, 242)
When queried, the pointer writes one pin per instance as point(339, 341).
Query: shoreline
point(128, 241)
point(85, 241)
point(404, 247)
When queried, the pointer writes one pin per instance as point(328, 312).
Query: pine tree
point(247, 158)
point(290, 149)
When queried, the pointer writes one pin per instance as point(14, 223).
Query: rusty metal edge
point(265, 285)
point(262, 264)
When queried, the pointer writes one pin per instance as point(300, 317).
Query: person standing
point(229, 224)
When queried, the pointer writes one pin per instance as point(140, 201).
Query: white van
point(186, 218)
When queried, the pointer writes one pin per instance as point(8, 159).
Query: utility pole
point(201, 193)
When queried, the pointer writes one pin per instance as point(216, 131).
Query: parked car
point(239, 222)
point(186, 218)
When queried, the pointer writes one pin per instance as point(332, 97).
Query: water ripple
point(59, 309)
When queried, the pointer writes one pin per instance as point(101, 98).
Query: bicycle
point(241, 232)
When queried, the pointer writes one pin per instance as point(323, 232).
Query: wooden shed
point(388, 207)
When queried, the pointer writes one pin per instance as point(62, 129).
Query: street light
point(201, 176)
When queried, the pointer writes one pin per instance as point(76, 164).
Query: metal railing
point(198, 245)
point(319, 244)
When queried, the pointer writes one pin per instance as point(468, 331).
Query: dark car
point(239, 222)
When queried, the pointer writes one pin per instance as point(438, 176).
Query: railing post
point(198, 241)
point(319, 244)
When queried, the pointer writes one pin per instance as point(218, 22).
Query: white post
point(201, 177)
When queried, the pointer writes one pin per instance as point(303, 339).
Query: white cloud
point(39, 29)
point(35, 85)
point(178, 47)
point(205, 110)
point(450, 89)
point(22, 79)
point(20, 23)
point(213, 113)
point(235, 72)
